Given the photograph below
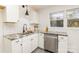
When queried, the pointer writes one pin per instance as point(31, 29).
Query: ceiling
point(39, 7)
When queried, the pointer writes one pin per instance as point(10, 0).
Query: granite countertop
point(21, 35)
point(55, 32)
point(17, 35)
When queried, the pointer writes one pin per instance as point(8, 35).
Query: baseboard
point(41, 48)
point(34, 50)
point(69, 52)
point(45, 50)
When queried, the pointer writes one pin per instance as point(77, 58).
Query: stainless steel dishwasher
point(51, 42)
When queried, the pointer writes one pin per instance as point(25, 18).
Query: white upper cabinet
point(11, 13)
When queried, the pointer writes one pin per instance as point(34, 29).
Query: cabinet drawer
point(41, 34)
point(16, 46)
point(62, 38)
point(62, 44)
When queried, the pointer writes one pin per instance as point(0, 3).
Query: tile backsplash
point(17, 27)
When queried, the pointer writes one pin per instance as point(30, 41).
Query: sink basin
point(25, 34)
point(13, 36)
point(17, 35)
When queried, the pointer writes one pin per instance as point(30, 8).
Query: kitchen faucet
point(24, 28)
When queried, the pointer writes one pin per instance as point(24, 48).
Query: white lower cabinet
point(26, 44)
point(12, 46)
point(17, 46)
point(41, 40)
point(30, 43)
point(34, 42)
point(62, 44)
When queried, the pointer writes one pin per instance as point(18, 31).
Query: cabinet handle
point(17, 41)
point(31, 39)
point(62, 38)
point(41, 35)
point(21, 44)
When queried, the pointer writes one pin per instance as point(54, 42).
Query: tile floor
point(39, 50)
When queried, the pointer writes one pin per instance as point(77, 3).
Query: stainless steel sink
point(14, 36)
point(25, 34)
point(17, 35)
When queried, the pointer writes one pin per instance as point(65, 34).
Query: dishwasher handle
point(54, 37)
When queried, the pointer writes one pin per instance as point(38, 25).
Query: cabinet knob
point(31, 39)
point(62, 38)
point(17, 41)
point(21, 44)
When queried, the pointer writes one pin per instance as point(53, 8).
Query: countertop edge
point(55, 33)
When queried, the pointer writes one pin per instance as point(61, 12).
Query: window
point(73, 18)
point(56, 19)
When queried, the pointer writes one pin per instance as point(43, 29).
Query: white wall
point(1, 32)
point(73, 38)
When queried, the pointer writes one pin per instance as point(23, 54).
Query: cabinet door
point(16, 46)
point(41, 40)
point(34, 42)
point(1, 36)
point(62, 44)
point(11, 13)
point(26, 45)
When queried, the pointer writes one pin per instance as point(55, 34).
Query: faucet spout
point(24, 28)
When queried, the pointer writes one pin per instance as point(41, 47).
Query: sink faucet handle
point(24, 28)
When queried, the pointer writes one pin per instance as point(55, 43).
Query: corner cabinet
point(30, 43)
point(11, 13)
point(12, 46)
point(62, 44)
